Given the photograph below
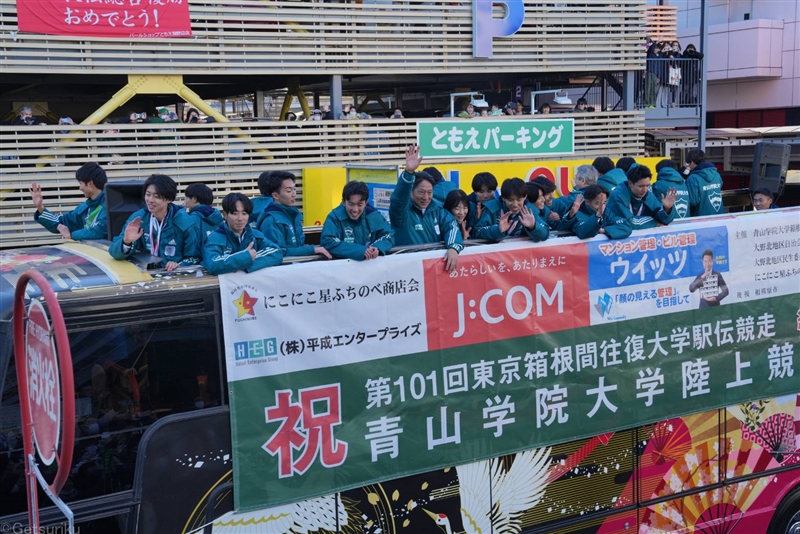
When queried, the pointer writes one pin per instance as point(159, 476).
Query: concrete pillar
point(336, 95)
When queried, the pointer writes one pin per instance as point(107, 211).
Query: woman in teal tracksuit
point(354, 229)
point(162, 229)
point(418, 219)
point(235, 246)
point(592, 218)
point(669, 177)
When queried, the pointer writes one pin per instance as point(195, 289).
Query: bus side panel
point(182, 458)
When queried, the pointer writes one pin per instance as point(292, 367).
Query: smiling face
point(762, 201)
point(514, 204)
point(354, 206)
point(156, 204)
point(540, 202)
point(287, 194)
point(460, 212)
point(422, 195)
point(86, 189)
point(708, 263)
point(237, 221)
point(548, 199)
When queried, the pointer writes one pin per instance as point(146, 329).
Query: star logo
point(245, 304)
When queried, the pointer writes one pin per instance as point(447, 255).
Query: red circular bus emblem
point(44, 390)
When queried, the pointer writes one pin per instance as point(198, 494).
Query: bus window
point(126, 378)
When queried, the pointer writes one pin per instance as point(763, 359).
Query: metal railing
point(669, 83)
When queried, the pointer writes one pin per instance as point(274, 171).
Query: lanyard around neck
point(154, 243)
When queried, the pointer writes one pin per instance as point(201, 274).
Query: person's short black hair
point(593, 191)
point(603, 165)
point(92, 172)
point(582, 101)
point(355, 188)
point(534, 191)
point(484, 179)
point(625, 163)
point(165, 186)
point(639, 172)
point(544, 184)
point(422, 176)
point(275, 180)
point(708, 252)
point(454, 198)
point(263, 181)
point(230, 200)
point(435, 173)
point(764, 191)
point(514, 187)
point(696, 156)
point(201, 193)
point(666, 164)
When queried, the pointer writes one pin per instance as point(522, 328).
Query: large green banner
point(485, 137)
point(354, 372)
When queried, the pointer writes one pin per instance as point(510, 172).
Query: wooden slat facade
point(369, 37)
point(228, 157)
point(662, 22)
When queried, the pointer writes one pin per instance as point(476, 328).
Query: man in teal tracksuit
point(669, 177)
point(197, 203)
point(355, 230)
point(511, 215)
point(609, 176)
point(592, 218)
point(234, 246)
point(634, 202)
point(416, 218)
point(704, 184)
point(282, 223)
point(162, 229)
point(585, 175)
point(260, 203)
point(87, 221)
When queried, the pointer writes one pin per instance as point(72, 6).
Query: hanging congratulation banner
point(116, 18)
point(368, 371)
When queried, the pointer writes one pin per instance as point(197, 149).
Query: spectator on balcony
point(25, 118)
point(763, 200)
point(289, 116)
point(398, 114)
point(510, 109)
point(581, 106)
point(520, 109)
point(672, 75)
point(609, 176)
point(669, 177)
point(704, 184)
point(691, 75)
point(634, 202)
point(544, 109)
point(496, 111)
point(88, 220)
point(651, 78)
point(348, 113)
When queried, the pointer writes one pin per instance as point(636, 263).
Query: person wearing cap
point(88, 220)
point(316, 115)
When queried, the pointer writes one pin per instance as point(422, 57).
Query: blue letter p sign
point(485, 27)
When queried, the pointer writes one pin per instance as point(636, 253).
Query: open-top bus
point(160, 366)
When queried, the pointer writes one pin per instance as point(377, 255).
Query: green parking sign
point(479, 137)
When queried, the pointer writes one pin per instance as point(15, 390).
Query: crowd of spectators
point(606, 199)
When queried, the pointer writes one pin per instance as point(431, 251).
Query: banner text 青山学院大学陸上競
point(367, 371)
